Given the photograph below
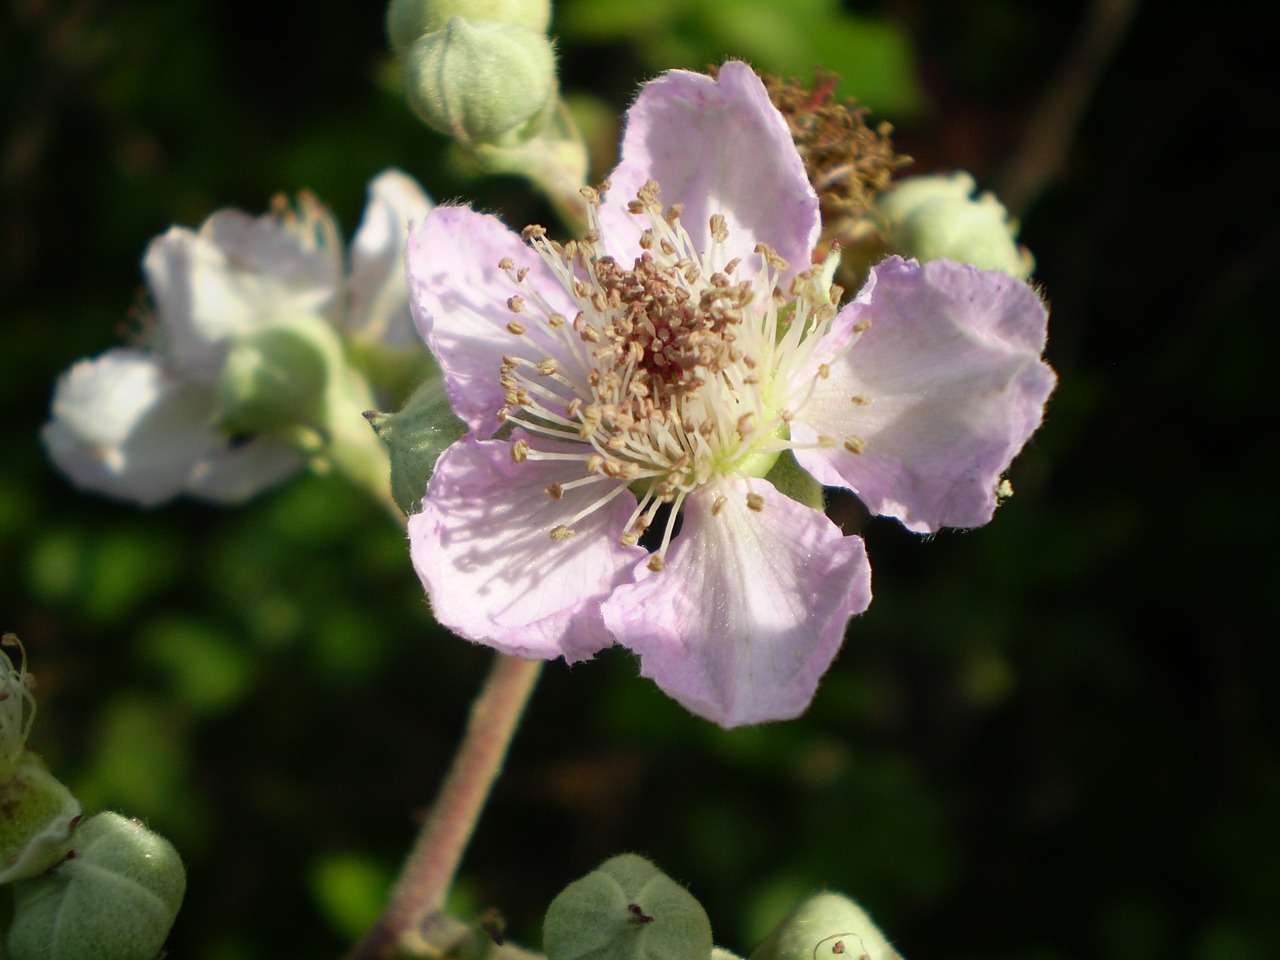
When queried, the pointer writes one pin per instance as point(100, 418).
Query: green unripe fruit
point(626, 910)
point(115, 898)
point(476, 80)
point(825, 926)
point(408, 20)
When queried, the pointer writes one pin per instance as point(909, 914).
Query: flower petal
point(482, 548)
point(950, 368)
point(750, 608)
point(459, 300)
point(379, 308)
point(716, 145)
point(122, 425)
point(237, 272)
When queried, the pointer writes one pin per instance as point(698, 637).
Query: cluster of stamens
point(671, 371)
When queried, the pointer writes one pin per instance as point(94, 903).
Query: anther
point(717, 505)
point(755, 502)
point(506, 263)
point(855, 444)
point(520, 451)
point(555, 491)
point(656, 563)
point(860, 399)
point(561, 533)
point(516, 327)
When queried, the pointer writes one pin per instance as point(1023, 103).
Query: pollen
point(678, 368)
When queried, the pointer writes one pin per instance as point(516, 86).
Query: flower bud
point(626, 910)
point(936, 217)
point(408, 20)
point(37, 817)
point(114, 898)
point(476, 79)
point(274, 377)
point(415, 437)
point(826, 925)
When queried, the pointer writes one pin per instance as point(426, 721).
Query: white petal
point(379, 306)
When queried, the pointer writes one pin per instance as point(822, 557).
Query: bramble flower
point(628, 395)
point(238, 369)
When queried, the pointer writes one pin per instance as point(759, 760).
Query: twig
point(428, 873)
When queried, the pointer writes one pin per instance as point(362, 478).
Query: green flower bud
point(824, 926)
point(935, 217)
point(274, 377)
point(37, 817)
point(626, 910)
point(477, 80)
point(408, 20)
point(115, 898)
point(415, 437)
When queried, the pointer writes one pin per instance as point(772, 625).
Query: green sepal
point(415, 437)
point(794, 481)
point(274, 378)
point(626, 910)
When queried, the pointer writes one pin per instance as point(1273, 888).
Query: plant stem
point(429, 871)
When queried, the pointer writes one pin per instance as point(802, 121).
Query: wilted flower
point(644, 381)
point(243, 358)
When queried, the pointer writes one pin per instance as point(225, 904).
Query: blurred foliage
point(1051, 738)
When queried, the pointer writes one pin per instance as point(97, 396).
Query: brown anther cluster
point(848, 162)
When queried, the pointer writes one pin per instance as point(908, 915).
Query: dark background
point(1051, 738)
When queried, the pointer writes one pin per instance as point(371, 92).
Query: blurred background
point(1054, 737)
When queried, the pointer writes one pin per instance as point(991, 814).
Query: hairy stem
point(429, 871)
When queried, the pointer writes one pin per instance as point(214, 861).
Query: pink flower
point(650, 375)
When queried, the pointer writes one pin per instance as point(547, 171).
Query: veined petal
point(237, 272)
point(122, 425)
point(941, 391)
point(379, 306)
point(482, 547)
point(750, 608)
point(716, 145)
point(459, 295)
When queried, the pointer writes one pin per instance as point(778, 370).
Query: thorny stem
point(429, 871)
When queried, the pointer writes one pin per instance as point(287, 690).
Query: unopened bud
point(936, 217)
point(825, 926)
point(114, 898)
point(476, 80)
point(408, 20)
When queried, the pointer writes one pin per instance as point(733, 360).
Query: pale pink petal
point(950, 368)
point(483, 550)
point(750, 608)
point(716, 146)
point(238, 272)
point(459, 300)
point(379, 306)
